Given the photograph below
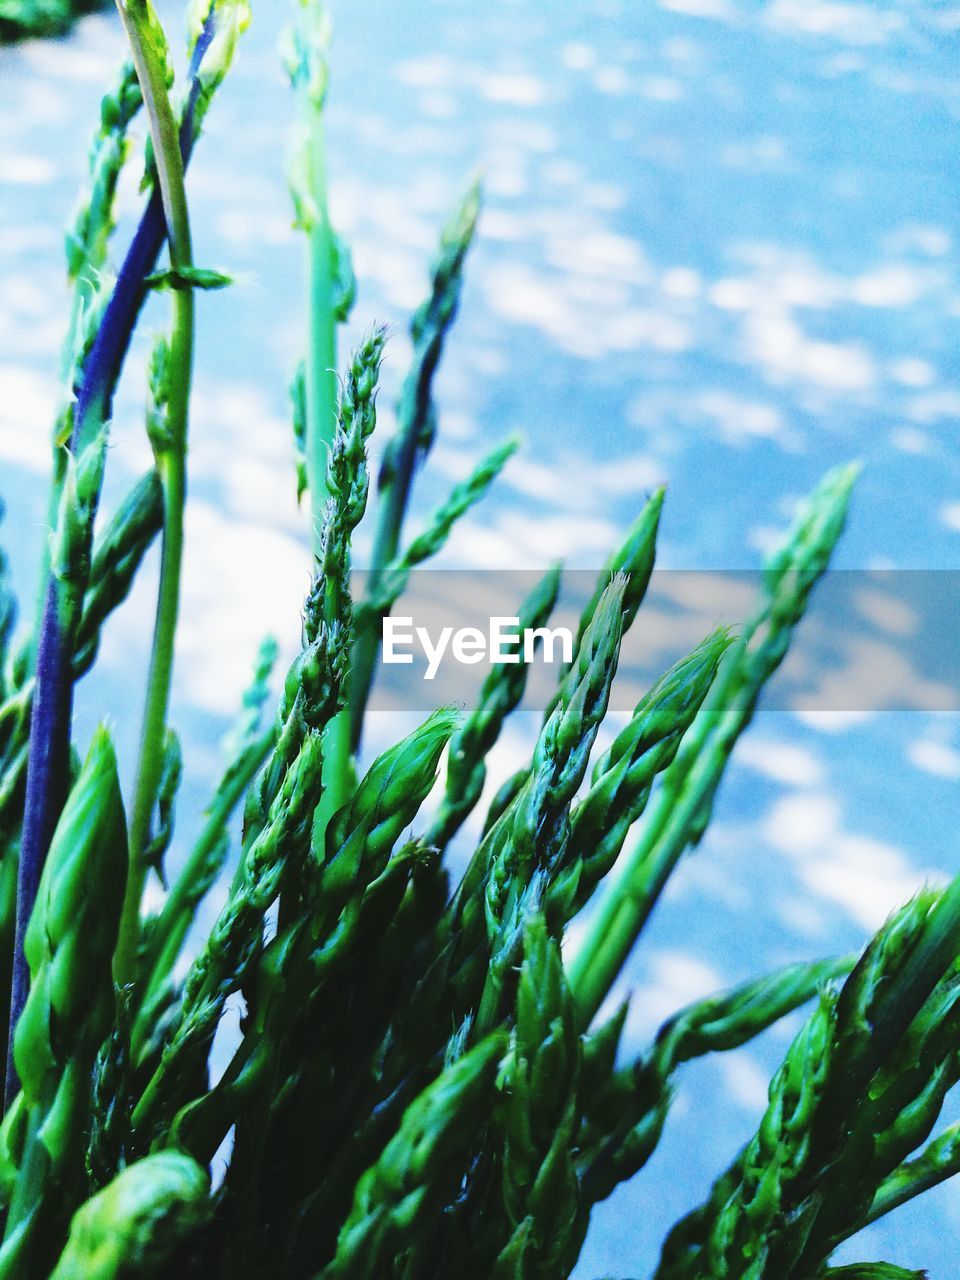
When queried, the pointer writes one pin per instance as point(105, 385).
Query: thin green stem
point(938, 1161)
point(321, 366)
point(173, 923)
point(171, 466)
point(322, 404)
point(671, 818)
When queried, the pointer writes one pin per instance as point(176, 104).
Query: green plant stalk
point(176, 916)
point(304, 957)
point(247, 749)
point(321, 366)
point(416, 427)
point(171, 465)
point(130, 1228)
point(395, 578)
point(49, 753)
point(86, 253)
point(682, 807)
point(870, 1271)
point(227, 956)
point(626, 1108)
point(69, 946)
point(502, 691)
point(938, 1161)
point(321, 400)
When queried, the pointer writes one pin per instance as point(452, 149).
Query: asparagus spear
point(69, 947)
point(416, 425)
point(393, 581)
point(937, 1162)
point(624, 775)
point(247, 749)
point(302, 958)
point(418, 1169)
point(117, 555)
point(540, 1112)
point(681, 810)
point(626, 1109)
point(633, 560)
point(861, 1085)
point(131, 1229)
point(501, 692)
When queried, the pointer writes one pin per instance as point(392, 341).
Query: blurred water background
point(719, 249)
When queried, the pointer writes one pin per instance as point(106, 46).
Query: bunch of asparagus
point(425, 1083)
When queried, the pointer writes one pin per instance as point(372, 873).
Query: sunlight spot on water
point(27, 407)
point(517, 540)
point(867, 878)
point(934, 757)
point(429, 72)
point(871, 675)
point(739, 420)
point(886, 612)
point(889, 286)
point(700, 8)
point(857, 24)
point(231, 563)
point(28, 170)
point(911, 440)
point(604, 196)
point(832, 721)
point(934, 405)
point(782, 761)
point(755, 154)
point(930, 240)
point(745, 1079)
point(661, 89)
point(783, 350)
point(913, 372)
point(85, 63)
point(578, 57)
point(681, 282)
point(439, 106)
point(765, 538)
point(801, 915)
point(615, 81)
point(513, 90)
point(675, 979)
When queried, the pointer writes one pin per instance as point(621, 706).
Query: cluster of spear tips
point(427, 1082)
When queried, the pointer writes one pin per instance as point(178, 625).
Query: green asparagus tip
point(130, 1227)
point(462, 226)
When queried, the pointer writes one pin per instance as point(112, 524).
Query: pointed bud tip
point(442, 722)
point(101, 753)
point(840, 480)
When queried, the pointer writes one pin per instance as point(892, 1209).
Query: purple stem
point(48, 764)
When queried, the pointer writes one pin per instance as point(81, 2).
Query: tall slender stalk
point(149, 55)
point(416, 427)
point(321, 375)
point(49, 752)
point(171, 926)
point(308, 69)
